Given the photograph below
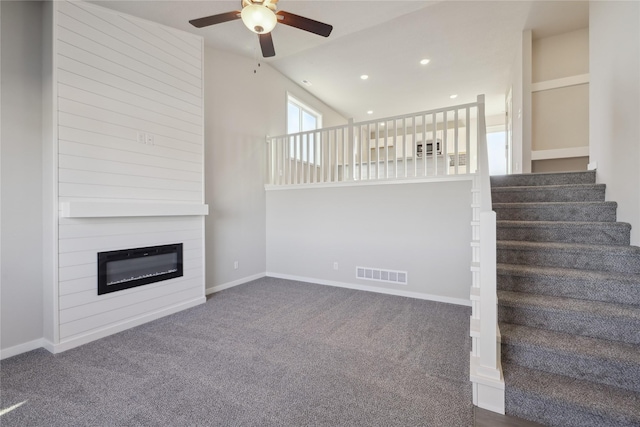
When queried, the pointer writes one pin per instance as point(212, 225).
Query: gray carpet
point(569, 302)
point(267, 353)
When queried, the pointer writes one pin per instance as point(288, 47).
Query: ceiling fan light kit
point(260, 17)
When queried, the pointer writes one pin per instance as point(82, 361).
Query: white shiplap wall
point(120, 79)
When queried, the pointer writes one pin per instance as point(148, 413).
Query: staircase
point(568, 302)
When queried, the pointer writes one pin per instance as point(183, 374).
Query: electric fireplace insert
point(128, 268)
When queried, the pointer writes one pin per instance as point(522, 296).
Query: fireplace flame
point(144, 276)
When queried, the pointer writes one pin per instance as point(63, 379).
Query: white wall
point(242, 108)
point(76, 92)
point(521, 98)
point(21, 154)
point(421, 228)
point(527, 45)
point(118, 77)
point(560, 113)
point(236, 126)
point(560, 55)
point(614, 40)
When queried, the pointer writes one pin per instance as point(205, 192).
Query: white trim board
point(120, 209)
point(22, 348)
point(446, 178)
point(123, 326)
point(560, 153)
point(222, 287)
point(395, 292)
point(488, 393)
point(560, 83)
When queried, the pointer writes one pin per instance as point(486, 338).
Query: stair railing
point(434, 143)
point(485, 366)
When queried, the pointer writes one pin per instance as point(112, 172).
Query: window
point(301, 118)
point(496, 147)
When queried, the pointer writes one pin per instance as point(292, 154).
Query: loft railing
point(485, 366)
point(438, 143)
point(441, 142)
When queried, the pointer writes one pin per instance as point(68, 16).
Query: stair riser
point(590, 213)
point(612, 291)
point(568, 234)
point(548, 195)
point(543, 179)
point(585, 260)
point(563, 370)
point(549, 412)
point(582, 323)
point(611, 372)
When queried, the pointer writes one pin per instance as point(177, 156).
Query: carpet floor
point(267, 353)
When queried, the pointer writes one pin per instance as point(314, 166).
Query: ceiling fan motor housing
point(271, 4)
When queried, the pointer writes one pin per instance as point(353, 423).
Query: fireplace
point(128, 268)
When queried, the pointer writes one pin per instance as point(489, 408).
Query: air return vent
point(379, 275)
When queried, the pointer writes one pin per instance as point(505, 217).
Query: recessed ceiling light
point(370, 112)
point(454, 96)
point(364, 77)
point(306, 82)
point(425, 61)
point(383, 124)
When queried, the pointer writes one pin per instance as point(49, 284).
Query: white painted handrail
point(485, 367)
point(440, 142)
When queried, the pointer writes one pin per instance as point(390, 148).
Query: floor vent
point(379, 275)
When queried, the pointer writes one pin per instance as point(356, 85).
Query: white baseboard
point(48, 345)
point(228, 285)
point(396, 292)
point(123, 326)
point(21, 348)
point(94, 335)
point(488, 392)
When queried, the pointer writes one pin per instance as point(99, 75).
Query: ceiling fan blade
point(215, 19)
point(306, 24)
point(266, 44)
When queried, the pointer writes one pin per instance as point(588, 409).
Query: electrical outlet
point(235, 265)
point(335, 265)
point(141, 138)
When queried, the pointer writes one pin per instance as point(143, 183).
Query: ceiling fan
point(260, 16)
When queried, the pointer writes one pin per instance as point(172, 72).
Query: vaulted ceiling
point(471, 46)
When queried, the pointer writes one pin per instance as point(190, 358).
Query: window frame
point(303, 108)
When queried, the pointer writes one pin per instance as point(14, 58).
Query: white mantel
point(99, 209)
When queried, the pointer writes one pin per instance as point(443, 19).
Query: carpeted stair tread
point(549, 193)
point(558, 400)
point(621, 259)
point(552, 178)
point(571, 283)
point(568, 301)
point(606, 233)
point(598, 360)
point(551, 303)
point(620, 322)
point(556, 211)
